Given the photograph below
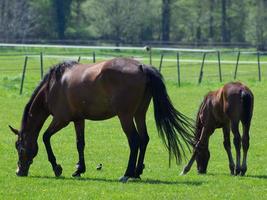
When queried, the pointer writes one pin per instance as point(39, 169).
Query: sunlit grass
point(107, 144)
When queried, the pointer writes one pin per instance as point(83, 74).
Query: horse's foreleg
point(189, 164)
point(237, 143)
point(134, 142)
point(142, 130)
point(245, 145)
point(79, 128)
point(227, 147)
point(51, 130)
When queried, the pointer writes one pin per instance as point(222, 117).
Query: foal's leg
point(227, 146)
point(245, 145)
point(79, 128)
point(134, 142)
point(144, 139)
point(237, 143)
point(51, 130)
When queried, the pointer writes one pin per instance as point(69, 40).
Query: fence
point(167, 59)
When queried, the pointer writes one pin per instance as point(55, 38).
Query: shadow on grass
point(246, 176)
point(144, 181)
point(257, 176)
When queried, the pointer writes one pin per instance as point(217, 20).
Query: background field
point(107, 144)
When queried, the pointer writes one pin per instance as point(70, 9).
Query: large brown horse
point(223, 108)
point(73, 92)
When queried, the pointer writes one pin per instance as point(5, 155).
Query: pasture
point(107, 144)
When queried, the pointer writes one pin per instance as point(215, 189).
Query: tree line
point(195, 22)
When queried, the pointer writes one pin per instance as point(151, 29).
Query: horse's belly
point(98, 114)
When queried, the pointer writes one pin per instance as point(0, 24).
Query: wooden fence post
point(178, 68)
point(219, 65)
point(23, 74)
point(201, 69)
point(236, 66)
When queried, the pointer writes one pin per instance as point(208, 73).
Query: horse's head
point(25, 152)
point(202, 159)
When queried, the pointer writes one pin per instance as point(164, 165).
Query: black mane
point(56, 72)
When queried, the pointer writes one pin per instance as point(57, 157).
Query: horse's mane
point(55, 72)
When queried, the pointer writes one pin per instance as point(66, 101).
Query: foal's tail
point(247, 104)
point(173, 126)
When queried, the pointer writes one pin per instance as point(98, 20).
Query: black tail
point(173, 126)
point(247, 102)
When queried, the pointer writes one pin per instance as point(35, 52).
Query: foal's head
point(202, 159)
point(26, 149)
point(201, 148)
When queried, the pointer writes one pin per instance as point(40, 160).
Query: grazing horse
point(73, 92)
point(223, 108)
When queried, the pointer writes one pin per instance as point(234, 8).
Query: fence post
point(259, 66)
point(160, 64)
point(93, 57)
point(201, 69)
point(23, 74)
point(219, 65)
point(178, 68)
point(41, 65)
point(236, 66)
point(150, 56)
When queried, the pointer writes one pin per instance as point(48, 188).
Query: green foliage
point(126, 21)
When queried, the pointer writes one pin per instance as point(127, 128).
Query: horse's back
point(101, 90)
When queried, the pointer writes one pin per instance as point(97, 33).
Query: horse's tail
point(247, 105)
point(173, 126)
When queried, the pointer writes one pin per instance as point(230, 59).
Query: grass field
point(107, 144)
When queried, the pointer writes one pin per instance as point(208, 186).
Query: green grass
point(107, 144)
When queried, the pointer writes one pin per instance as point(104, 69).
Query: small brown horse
point(223, 108)
point(119, 87)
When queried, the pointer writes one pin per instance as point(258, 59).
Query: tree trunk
point(166, 14)
point(62, 11)
point(224, 24)
point(211, 20)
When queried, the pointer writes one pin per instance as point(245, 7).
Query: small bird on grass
point(99, 167)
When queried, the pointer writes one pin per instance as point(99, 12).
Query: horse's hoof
point(185, 170)
point(135, 179)
point(124, 179)
point(183, 173)
point(58, 170)
point(237, 171)
point(243, 172)
point(76, 174)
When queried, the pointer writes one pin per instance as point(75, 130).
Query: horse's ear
point(15, 131)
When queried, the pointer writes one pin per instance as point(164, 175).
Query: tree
point(261, 24)
point(62, 13)
point(17, 20)
point(224, 22)
point(211, 19)
point(166, 15)
point(122, 21)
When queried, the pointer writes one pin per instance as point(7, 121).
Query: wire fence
point(180, 66)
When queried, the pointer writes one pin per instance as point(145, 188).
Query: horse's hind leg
point(134, 142)
point(227, 147)
point(245, 145)
point(54, 127)
point(144, 139)
point(79, 128)
point(237, 143)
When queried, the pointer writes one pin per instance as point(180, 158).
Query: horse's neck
point(36, 116)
